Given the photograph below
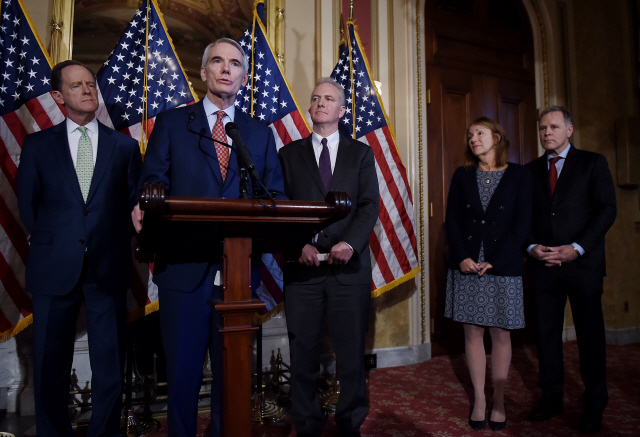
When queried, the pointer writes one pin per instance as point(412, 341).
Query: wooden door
point(479, 63)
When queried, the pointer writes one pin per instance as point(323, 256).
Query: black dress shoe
point(590, 421)
point(546, 409)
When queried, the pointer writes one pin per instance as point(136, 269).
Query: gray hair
point(332, 81)
point(565, 113)
point(205, 55)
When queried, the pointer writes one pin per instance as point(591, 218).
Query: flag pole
point(351, 11)
point(144, 136)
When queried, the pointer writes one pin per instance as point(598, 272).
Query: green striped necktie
point(84, 162)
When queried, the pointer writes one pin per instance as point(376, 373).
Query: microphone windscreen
point(230, 127)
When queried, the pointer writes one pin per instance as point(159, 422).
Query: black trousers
point(346, 309)
point(551, 287)
point(54, 324)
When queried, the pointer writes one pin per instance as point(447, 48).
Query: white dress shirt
point(559, 162)
point(333, 141)
point(73, 134)
point(210, 109)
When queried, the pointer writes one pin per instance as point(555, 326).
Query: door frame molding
point(549, 26)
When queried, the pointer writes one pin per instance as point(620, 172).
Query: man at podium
point(183, 156)
point(332, 278)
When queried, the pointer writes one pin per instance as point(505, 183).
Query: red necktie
point(553, 173)
point(221, 151)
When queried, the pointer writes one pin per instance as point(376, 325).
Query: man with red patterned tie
point(182, 156)
point(574, 205)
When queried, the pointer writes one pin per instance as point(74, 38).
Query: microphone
point(241, 150)
point(192, 116)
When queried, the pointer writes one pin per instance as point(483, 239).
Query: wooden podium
point(247, 225)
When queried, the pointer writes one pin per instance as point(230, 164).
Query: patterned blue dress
point(486, 300)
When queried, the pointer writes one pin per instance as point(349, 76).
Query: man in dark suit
point(332, 278)
point(574, 205)
point(182, 155)
point(77, 185)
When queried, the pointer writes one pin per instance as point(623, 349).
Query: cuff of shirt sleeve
point(529, 248)
point(349, 246)
point(579, 248)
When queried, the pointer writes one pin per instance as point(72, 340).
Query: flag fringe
point(149, 308)
point(14, 330)
point(166, 31)
point(34, 30)
point(264, 318)
point(380, 291)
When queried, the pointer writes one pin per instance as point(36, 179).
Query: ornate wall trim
point(542, 30)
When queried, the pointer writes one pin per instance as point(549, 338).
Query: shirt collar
point(210, 108)
point(92, 126)
point(562, 155)
point(332, 140)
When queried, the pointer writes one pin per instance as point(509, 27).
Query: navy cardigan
point(503, 228)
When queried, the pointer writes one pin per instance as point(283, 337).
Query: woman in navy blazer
point(488, 219)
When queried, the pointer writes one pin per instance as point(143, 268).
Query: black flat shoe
point(497, 426)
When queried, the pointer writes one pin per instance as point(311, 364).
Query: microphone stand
point(242, 156)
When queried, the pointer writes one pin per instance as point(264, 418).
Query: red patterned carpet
point(432, 399)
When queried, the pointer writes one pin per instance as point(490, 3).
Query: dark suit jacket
point(188, 166)
point(582, 209)
point(355, 174)
point(62, 226)
point(503, 227)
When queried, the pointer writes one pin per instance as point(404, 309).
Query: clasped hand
point(470, 266)
point(554, 256)
point(341, 253)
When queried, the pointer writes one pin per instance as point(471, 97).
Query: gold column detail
point(275, 28)
point(423, 335)
point(60, 46)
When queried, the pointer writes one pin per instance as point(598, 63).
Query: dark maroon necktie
point(324, 165)
point(553, 173)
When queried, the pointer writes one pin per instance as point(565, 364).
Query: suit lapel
point(541, 174)
point(472, 187)
point(60, 147)
point(106, 146)
point(208, 147)
point(343, 160)
point(568, 173)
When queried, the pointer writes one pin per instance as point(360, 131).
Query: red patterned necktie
point(553, 173)
point(221, 151)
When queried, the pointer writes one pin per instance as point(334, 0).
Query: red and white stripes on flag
point(26, 106)
point(394, 251)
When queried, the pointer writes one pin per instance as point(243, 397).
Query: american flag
point(26, 106)
point(268, 97)
point(394, 252)
point(141, 78)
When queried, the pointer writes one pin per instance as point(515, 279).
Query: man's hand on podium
point(136, 216)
